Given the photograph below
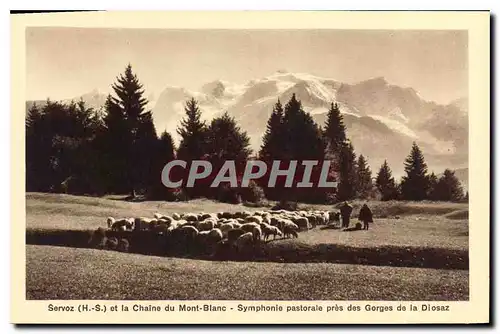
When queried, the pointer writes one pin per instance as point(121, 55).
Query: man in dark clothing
point(365, 215)
point(345, 212)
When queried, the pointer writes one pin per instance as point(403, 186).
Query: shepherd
point(345, 212)
point(365, 215)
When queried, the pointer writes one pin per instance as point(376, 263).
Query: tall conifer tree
point(385, 183)
point(193, 133)
point(415, 184)
point(364, 182)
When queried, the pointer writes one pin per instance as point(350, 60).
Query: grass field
point(67, 273)
point(85, 273)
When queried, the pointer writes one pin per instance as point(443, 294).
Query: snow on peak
point(397, 115)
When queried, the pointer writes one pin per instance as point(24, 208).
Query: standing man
point(365, 215)
point(345, 212)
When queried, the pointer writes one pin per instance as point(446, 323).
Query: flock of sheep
point(240, 230)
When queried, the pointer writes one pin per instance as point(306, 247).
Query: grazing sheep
point(190, 217)
point(166, 219)
point(290, 228)
point(268, 230)
point(279, 222)
point(189, 231)
point(176, 216)
point(313, 219)
point(121, 225)
point(202, 236)
point(158, 215)
point(244, 241)
point(224, 215)
point(180, 222)
point(253, 219)
point(206, 225)
point(208, 215)
point(160, 227)
point(143, 223)
point(302, 223)
point(110, 221)
point(248, 227)
point(266, 219)
point(334, 216)
point(215, 236)
point(326, 217)
point(234, 234)
point(224, 228)
point(257, 233)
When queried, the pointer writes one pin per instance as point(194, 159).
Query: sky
point(67, 62)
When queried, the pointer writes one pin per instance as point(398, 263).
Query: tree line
point(75, 149)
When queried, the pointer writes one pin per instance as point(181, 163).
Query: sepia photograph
point(270, 164)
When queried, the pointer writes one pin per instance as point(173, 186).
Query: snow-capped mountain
point(382, 119)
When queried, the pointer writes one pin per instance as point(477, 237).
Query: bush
point(253, 193)
point(286, 205)
point(227, 194)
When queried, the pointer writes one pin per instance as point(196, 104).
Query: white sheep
point(110, 221)
point(206, 225)
point(290, 228)
point(248, 227)
point(268, 230)
point(215, 235)
point(121, 225)
point(189, 231)
point(302, 223)
point(253, 219)
point(190, 217)
point(176, 216)
point(244, 241)
point(224, 228)
point(165, 218)
point(257, 233)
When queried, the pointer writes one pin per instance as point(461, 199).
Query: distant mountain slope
point(382, 119)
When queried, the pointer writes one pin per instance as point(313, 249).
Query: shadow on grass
point(282, 250)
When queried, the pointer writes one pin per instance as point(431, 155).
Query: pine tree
point(165, 152)
point(347, 173)
point(134, 124)
point(38, 148)
point(273, 141)
point(432, 191)
point(414, 185)
point(335, 132)
point(448, 187)
point(301, 140)
point(193, 133)
point(364, 178)
point(301, 134)
point(385, 183)
point(59, 151)
point(226, 141)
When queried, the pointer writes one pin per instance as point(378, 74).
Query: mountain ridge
point(382, 119)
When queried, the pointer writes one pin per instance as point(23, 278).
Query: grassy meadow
point(415, 228)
